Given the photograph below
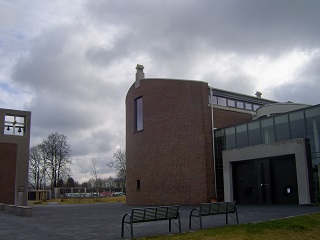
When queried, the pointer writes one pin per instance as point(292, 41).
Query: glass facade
point(303, 123)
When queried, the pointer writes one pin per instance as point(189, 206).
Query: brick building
point(14, 156)
point(169, 137)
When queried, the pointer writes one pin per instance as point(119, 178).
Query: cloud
point(71, 63)
point(71, 95)
point(305, 87)
point(247, 26)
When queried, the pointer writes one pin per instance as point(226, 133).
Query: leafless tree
point(37, 168)
point(119, 163)
point(57, 153)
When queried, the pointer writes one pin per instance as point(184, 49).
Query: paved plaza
point(103, 221)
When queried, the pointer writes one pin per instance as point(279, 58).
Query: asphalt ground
point(103, 221)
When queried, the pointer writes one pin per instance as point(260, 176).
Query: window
point(255, 107)
point(248, 106)
point(138, 185)
point(312, 117)
point(230, 138)
point(267, 130)
point(14, 125)
point(282, 127)
point(240, 105)
point(138, 111)
point(254, 133)
point(297, 125)
point(214, 100)
point(222, 101)
point(231, 103)
point(242, 135)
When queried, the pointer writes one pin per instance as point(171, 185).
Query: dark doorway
point(284, 180)
point(245, 182)
point(263, 179)
point(266, 181)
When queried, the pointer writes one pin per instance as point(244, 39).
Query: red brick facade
point(226, 118)
point(8, 158)
point(172, 157)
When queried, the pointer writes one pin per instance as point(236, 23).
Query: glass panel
point(297, 125)
point(313, 133)
point(282, 127)
point(222, 101)
point(231, 103)
point(242, 135)
point(267, 130)
point(214, 100)
point(248, 106)
point(230, 138)
point(255, 107)
point(138, 114)
point(219, 139)
point(313, 127)
point(240, 105)
point(254, 133)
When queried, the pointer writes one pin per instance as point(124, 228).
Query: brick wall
point(8, 156)
point(172, 155)
point(225, 118)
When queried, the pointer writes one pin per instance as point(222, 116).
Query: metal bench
point(140, 215)
point(208, 209)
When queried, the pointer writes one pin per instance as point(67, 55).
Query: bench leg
point(169, 225)
point(237, 216)
point(227, 218)
point(179, 223)
point(122, 230)
point(200, 221)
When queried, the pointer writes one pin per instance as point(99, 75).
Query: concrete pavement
point(103, 221)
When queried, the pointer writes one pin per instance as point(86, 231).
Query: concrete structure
point(14, 156)
point(296, 147)
point(273, 159)
point(277, 108)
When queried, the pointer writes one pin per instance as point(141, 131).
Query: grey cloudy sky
point(72, 62)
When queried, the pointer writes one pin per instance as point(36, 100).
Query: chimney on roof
point(139, 75)
point(258, 94)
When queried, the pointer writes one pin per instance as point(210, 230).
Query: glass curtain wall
point(297, 124)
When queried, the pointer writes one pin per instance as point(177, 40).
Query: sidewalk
point(103, 221)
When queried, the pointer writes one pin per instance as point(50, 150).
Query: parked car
point(116, 194)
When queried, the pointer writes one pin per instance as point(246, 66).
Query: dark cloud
point(77, 69)
point(242, 26)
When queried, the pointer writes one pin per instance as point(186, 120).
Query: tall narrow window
point(138, 111)
point(138, 185)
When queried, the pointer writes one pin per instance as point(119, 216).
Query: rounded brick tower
point(168, 142)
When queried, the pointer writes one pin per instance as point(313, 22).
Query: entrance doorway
point(266, 181)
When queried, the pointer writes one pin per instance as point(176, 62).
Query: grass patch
point(82, 200)
point(301, 227)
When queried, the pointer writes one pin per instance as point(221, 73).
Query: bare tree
point(37, 169)
point(57, 153)
point(94, 173)
point(119, 164)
